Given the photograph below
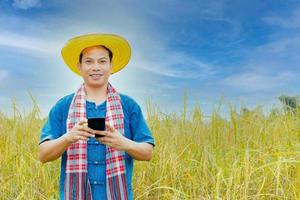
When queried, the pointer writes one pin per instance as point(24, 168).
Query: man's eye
point(103, 61)
point(88, 61)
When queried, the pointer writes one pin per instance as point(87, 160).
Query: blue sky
point(246, 52)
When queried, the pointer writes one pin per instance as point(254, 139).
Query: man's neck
point(97, 95)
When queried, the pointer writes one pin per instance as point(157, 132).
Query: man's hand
point(113, 138)
point(79, 132)
point(53, 149)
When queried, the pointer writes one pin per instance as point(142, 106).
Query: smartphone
point(97, 123)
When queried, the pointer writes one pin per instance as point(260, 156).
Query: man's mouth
point(96, 76)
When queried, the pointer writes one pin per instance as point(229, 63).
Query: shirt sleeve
point(52, 128)
point(139, 127)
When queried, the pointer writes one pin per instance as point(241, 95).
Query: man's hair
point(110, 54)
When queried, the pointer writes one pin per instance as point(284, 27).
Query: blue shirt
point(135, 128)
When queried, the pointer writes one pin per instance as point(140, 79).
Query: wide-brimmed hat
point(119, 47)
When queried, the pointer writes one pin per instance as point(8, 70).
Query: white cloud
point(286, 45)
point(28, 43)
point(271, 67)
point(292, 21)
point(253, 81)
point(26, 4)
point(175, 66)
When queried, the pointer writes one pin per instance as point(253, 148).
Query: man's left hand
point(113, 138)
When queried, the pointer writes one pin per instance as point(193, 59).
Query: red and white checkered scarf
point(77, 185)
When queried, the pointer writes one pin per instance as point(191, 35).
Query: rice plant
point(249, 155)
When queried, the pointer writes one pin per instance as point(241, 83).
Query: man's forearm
point(53, 149)
point(139, 151)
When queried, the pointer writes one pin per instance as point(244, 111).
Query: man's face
point(95, 66)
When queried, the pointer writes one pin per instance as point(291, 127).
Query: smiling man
point(96, 167)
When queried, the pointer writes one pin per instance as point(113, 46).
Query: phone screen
point(97, 124)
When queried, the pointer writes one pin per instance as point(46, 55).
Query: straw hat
point(119, 47)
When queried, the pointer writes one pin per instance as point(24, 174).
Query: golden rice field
point(247, 156)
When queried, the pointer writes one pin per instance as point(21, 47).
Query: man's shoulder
point(64, 101)
point(128, 100)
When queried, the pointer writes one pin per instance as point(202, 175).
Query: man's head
point(95, 65)
point(117, 47)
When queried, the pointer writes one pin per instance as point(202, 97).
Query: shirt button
point(96, 162)
point(95, 182)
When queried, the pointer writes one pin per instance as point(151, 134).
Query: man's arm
point(53, 149)
point(139, 151)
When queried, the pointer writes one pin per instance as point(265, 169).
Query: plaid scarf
point(77, 185)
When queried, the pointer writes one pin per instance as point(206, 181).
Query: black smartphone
point(97, 123)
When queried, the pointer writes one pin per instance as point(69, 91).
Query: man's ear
point(111, 66)
point(79, 67)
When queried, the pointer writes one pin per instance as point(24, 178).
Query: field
point(250, 155)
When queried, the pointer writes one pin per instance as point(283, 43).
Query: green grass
point(248, 156)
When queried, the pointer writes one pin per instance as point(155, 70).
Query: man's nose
point(96, 66)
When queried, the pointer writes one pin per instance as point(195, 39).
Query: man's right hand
point(53, 149)
point(79, 132)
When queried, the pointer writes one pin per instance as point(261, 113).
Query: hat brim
point(119, 47)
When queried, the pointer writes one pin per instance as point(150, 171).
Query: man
point(96, 167)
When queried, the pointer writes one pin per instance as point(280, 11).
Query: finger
point(98, 139)
point(85, 128)
point(79, 125)
point(82, 122)
point(103, 133)
point(85, 134)
point(78, 137)
point(109, 127)
point(105, 140)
